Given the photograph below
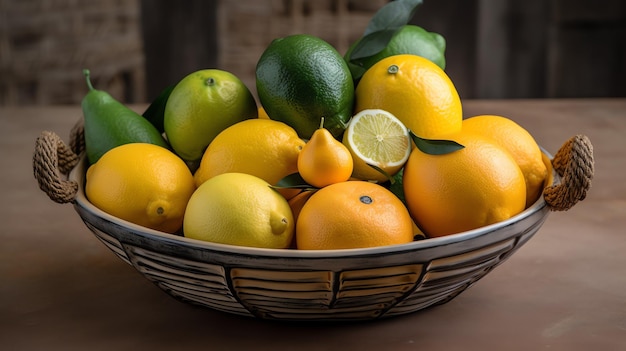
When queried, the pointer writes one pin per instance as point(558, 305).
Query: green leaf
point(381, 171)
point(396, 187)
point(358, 72)
point(293, 181)
point(392, 16)
point(371, 44)
point(435, 146)
point(383, 25)
point(155, 113)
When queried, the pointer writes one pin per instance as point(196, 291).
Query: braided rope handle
point(575, 164)
point(52, 158)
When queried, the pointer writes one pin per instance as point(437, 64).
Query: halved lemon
point(376, 137)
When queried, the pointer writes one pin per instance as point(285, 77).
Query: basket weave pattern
point(308, 287)
point(355, 284)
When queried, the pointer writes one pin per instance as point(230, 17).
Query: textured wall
point(45, 44)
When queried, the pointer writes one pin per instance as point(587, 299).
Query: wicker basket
point(354, 284)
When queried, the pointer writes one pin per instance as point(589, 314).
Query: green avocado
point(109, 123)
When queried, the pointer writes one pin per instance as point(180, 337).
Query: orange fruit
point(416, 91)
point(324, 160)
point(141, 183)
point(297, 202)
point(520, 143)
point(261, 147)
point(463, 190)
point(352, 214)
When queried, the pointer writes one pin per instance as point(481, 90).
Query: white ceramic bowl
point(354, 284)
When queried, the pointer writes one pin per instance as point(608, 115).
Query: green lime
point(410, 39)
point(200, 106)
point(302, 78)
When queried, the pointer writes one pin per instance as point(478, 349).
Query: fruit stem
point(322, 122)
point(87, 74)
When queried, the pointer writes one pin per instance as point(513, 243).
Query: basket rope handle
point(52, 158)
point(575, 164)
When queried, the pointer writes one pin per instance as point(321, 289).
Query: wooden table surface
point(61, 289)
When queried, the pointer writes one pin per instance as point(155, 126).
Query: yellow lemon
point(520, 143)
point(261, 147)
point(239, 209)
point(141, 183)
point(376, 137)
point(409, 39)
point(478, 185)
point(262, 114)
point(416, 91)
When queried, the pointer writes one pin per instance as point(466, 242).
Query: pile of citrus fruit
point(335, 152)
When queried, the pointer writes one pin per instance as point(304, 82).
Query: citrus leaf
point(293, 181)
point(384, 24)
point(371, 44)
point(396, 187)
point(382, 171)
point(435, 146)
point(392, 16)
point(155, 113)
point(358, 72)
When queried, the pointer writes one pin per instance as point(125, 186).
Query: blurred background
point(135, 48)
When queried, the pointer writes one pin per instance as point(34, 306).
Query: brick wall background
point(134, 48)
point(45, 44)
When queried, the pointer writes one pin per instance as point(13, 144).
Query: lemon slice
point(376, 137)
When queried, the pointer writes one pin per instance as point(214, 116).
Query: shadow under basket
point(302, 285)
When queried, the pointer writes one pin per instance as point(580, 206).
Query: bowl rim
point(77, 174)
